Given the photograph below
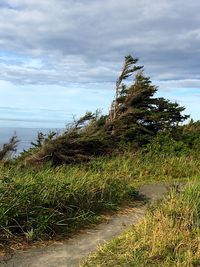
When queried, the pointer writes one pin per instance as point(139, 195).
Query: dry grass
point(168, 236)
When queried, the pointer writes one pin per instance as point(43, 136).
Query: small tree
point(135, 116)
point(9, 148)
point(43, 138)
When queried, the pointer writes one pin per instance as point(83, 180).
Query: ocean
point(25, 135)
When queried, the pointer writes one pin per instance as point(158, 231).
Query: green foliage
point(46, 201)
point(135, 117)
point(184, 140)
point(139, 141)
point(88, 117)
point(43, 139)
point(191, 135)
point(49, 201)
point(165, 144)
point(142, 114)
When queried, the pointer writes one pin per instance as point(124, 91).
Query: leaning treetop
point(135, 117)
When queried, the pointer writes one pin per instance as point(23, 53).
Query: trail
point(71, 252)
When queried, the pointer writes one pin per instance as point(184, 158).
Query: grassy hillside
point(168, 236)
point(66, 181)
point(44, 202)
point(35, 203)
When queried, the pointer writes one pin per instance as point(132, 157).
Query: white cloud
point(48, 45)
point(85, 37)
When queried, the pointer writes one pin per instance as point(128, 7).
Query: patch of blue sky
point(63, 107)
point(183, 91)
point(5, 4)
point(29, 105)
point(186, 91)
point(10, 57)
point(32, 124)
point(31, 118)
point(187, 97)
point(32, 114)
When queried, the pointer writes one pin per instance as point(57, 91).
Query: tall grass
point(168, 236)
point(48, 201)
point(141, 167)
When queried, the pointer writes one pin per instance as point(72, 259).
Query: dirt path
point(73, 251)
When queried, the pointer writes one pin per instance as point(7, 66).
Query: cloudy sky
point(62, 57)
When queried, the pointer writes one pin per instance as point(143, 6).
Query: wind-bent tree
point(136, 115)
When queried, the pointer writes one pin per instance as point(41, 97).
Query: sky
point(61, 58)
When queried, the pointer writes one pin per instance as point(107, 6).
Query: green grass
point(40, 203)
point(50, 201)
point(168, 236)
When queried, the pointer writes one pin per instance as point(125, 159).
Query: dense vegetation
point(52, 201)
point(43, 192)
point(135, 117)
point(45, 202)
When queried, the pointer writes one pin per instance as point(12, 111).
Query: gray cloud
point(85, 40)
